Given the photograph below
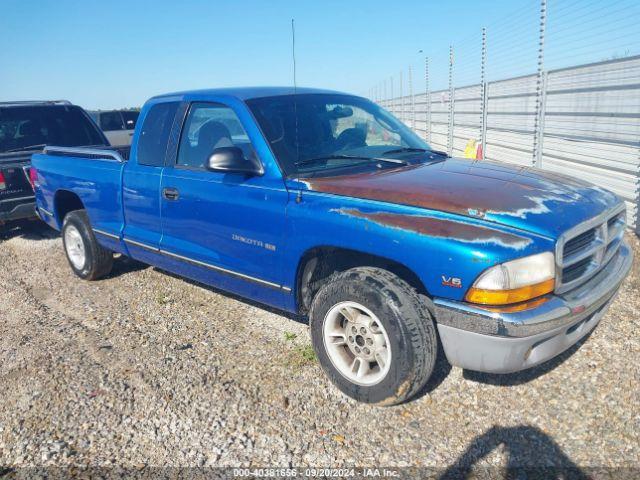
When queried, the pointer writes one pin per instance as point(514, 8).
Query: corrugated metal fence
point(587, 124)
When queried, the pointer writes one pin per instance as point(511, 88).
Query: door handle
point(170, 193)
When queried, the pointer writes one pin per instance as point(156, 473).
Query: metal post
point(450, 132)
point(540, 91)
point(401, 100)
point(411, 99)
point(392, 105)
point(483, 94)
point(427, 98)
point(385, 98)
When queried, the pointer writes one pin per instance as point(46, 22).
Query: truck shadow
point(123, 264)
point(283, 313)
point(27, 229)
point(525, 376)
point(531, 453)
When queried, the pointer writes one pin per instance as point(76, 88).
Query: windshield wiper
point(405, 149)
point(29, 147)
point(309, 161)
point(415, 149)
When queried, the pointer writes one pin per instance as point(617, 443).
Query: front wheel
point(87, 258)
point(373, 335)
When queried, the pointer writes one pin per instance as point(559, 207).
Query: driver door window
point(210, 126)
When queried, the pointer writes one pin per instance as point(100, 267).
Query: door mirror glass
point(232, 160)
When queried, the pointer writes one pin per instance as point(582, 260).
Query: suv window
point(60, 125)
point(130, 118)
point(110, 121)
point(154, 135)
point(210, 126)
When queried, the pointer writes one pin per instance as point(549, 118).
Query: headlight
point(515, 281)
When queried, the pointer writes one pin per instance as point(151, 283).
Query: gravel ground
point(147, 369)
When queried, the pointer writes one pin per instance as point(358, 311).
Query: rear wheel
point(374, 335)
point(87, 258)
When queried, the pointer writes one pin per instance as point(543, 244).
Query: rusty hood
point(520, 197)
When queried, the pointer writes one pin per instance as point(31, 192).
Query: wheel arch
point(318, 263)
point(65, 201)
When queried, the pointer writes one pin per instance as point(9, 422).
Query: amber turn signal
point(505, 297)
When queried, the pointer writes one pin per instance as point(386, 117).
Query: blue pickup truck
point(323, 204)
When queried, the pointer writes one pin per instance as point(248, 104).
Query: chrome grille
point(579, 243)
point(583, 250)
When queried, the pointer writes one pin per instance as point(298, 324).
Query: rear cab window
point(154, 134)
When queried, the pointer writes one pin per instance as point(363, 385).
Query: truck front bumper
point(500, 340)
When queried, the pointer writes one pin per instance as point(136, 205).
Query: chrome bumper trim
point(558, 311)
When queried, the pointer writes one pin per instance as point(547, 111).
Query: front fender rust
point(441, 228)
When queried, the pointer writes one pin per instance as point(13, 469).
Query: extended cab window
point(154, 135)
point(110, 121)
point(210, 126)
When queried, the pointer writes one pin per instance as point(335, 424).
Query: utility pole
point(413, 105)
point(450, 122)
point(541, 91)
point(427, 97)
point(483, 94)
point(392, 105)
point(401, 100)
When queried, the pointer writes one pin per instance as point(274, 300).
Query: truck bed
point(92, 174)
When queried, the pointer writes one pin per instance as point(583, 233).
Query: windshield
point(35, 126)
point(313, 133)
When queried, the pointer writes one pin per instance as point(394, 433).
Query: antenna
point(293, 53)
point(295, 86)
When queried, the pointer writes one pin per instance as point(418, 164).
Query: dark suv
point(25, 128)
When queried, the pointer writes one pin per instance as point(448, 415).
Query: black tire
point(98, 260)
point(405, 317)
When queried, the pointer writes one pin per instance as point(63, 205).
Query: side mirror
point(232, 160)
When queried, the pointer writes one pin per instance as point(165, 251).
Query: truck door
point(222, 228)
point(141, 182)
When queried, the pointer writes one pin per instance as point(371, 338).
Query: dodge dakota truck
point(325, 205)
